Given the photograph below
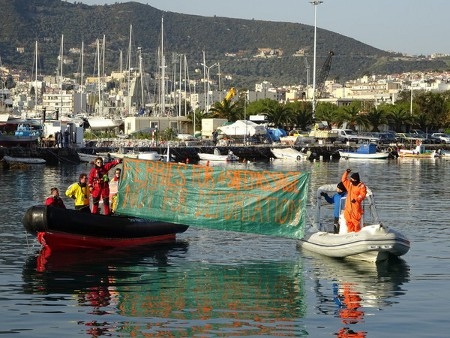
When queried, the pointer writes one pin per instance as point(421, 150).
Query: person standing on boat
point(54, 200)
point(336, 200)
point(79, 191)
point(99, 184)
point(114, 188)
point(356, 193)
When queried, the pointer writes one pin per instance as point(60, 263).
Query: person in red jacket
point(54, 200)
point(356, 193)
point(99, 184)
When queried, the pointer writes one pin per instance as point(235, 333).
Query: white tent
point(242, 128)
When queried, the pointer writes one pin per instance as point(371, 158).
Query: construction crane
point(231, 93)
point(324, 71)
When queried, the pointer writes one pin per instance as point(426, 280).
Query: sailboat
point(103, 119)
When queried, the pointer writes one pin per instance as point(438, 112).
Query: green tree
point(327, 111)
point(301, 114)
point(277, 114)
point(352, 116)
point(432, 110)
point(398, 115)
point(227, 109)
point(376, 117)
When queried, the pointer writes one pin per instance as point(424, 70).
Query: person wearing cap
point(336, 200)
point(54, 200)
point(356, 193)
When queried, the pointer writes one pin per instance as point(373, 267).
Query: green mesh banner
point(262, 202)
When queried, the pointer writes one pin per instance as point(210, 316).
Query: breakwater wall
point(262, 152)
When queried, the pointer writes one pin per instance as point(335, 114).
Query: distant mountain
point(233, 43)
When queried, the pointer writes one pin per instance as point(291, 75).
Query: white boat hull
point(377, 155)
point(149, 156)
point(100, 123)
point(288, 154)
point(372, 243)
point(87, 157)
point(24, 160)
point(214, 157)
point(415, 154)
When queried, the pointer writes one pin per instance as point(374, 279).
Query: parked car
point(387, 138)
point(445, 138)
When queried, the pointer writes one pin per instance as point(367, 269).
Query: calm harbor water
point(221, 284)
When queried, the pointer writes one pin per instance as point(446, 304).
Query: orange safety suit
point(353, 211)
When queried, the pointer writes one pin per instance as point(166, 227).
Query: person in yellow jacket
point(79, 191)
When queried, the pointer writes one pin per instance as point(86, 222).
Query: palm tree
point(327, 111)
point(227, 110)
point(376, 117)
point(398, 115)
point(199, 116)
point(301, 114)
point(278, 114)
point(351, 114)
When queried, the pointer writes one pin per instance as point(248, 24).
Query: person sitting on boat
point(99, 184)
point(356, 193)
point(79, 191)
point(54, 200)
point(336, 200)
point(114, 188)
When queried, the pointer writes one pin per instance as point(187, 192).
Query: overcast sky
point(405, 26)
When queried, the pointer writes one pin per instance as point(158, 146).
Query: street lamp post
point(315, 3)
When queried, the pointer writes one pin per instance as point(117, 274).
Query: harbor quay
point(186, 154)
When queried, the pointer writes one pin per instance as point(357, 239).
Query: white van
point(347, 135)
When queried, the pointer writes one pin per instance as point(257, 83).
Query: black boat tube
point(41, 218)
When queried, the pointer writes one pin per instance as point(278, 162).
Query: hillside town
point(119, 103)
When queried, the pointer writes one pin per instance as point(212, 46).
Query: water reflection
point(162, 292)
point(348, 290)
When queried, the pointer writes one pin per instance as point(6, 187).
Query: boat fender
point(35, 219)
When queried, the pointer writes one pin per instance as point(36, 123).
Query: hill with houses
point(248, 51)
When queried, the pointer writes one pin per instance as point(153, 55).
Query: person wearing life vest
point(54, 200)
point(356, 193)
point(99, 184)
point(336, 200)
point(79, 191)
point(114, 188)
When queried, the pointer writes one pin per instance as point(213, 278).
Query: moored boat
point(102, 123)
point(414, 154)
point(365, 151)
point(288, 154)
point(68, 229)
point(374, 242)
point(23, 160)
point(218, 157)
point(418, 152)
point(24, 135)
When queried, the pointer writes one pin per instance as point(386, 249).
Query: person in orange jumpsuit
point(356, 192)
point(99, 184)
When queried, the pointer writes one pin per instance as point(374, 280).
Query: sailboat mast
point(180, 86)
point(163, 71)
point(100, 101)
point(82, 76)
point(35, 78)
point(61, 53)
point(129, 74)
